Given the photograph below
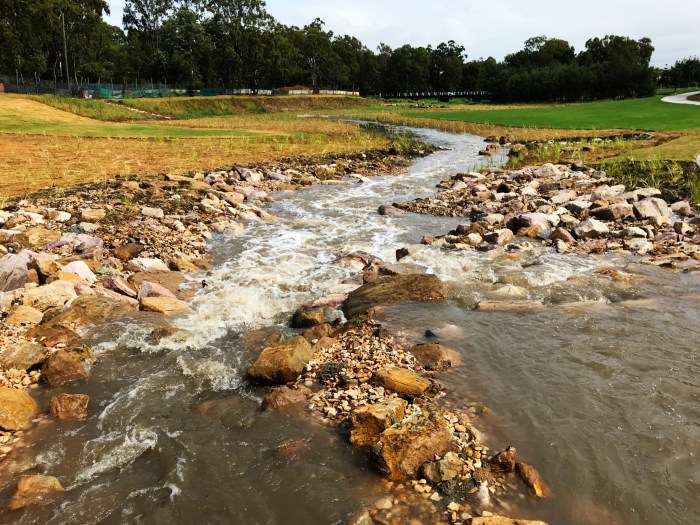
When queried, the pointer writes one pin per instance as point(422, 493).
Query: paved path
point(682, 98)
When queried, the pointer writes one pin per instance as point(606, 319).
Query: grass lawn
point(649, 114)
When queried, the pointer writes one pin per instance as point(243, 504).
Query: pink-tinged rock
point(119, 284)
point(331, 300)
point(13, 271)
point(149, 289)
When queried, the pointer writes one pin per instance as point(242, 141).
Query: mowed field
point(41, 145)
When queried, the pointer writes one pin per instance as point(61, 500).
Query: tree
point(446, 65)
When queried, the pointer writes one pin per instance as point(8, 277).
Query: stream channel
point(600, 390)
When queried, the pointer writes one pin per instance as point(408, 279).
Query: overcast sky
point(488, 28)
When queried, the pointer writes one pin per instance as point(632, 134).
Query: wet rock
point(591, 229)
point(317, 332)
point(366, 259)
point(35, 490)
point(407, 251)
point(444, 469)
point(436, 357)
point(561, 234)
point(61, 367)
point(69, 406)
point(396, 289)
point(505, 460)
point(650, 208)
point(390, 211)
point(402, 450)
point(22, 315)
point(235, 412)
point(402, 269)
point(163, 305)
point(307, 317)
point(292, 450)
point(13, 271)
point(54, 295)
point(168, 279)
point(500, 237)
point(533, 480)
point(501, 520)
point(22, 356)
point(281, 363)
point(90, 309)
point(128, 251)
point(149, 289)
point(50, 336)
point(367, 422)
point(16, 409)
point(514, 306)
point(614, 212)
point(283, 397)
point(403, 381)
point(36, 238)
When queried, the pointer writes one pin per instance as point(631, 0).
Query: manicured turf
point(650, 114)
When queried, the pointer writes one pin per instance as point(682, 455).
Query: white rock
point(156, 213)
point(145, 264)
point(59, 216)
point(82, 270)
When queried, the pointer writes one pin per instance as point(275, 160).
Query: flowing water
point(599, 391)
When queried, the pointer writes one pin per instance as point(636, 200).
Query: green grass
point(649, 114)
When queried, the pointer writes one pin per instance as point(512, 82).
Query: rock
point(35, 490)
point(634, 232)
point(500, 520)
point(82, 270)
point(45, 267)
point(54, 295)
point(407, 251)
point(16, 409)
point(281, 363)
point(128, 251)
point(164, 305)
point(403, 381)
point(527, 220)
point(614, 212)
point(436, 357)
point(120, 285)
point(505, 460)
point(515, 306)
point(69, 406)
point(36, 238)
point(591, 229)
point(561, 234)
point(87, 246)
point(366, 259)
point(317, 332)
point(93, 214)
point(59, 216)
point(390, 211)
point(577, 206)
point(683, 228)
point(181, 265)
point(149, 289)
point(22, 315)
point(13, 271)
point(653, 207)
point(517, 150)
point(89, 309)
point(140, 264)
point(156, 213)
point(367, 422)
point(682, 208)
point(402, 269)
point(114, 295)
point(445, 469)
point(395, 289)
point(235, 412)
point(639, 245)
point(308, 316)
point(22, 355)
point(403, 449)
point(72, 342)
point(167, 279)
point(61, 367)
point(383, 504)
point(500, 237)
point(283, 397)
point(533, 480)
point(562, 197)
point(645, 193)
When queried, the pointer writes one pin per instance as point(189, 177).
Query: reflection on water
point(599, 389)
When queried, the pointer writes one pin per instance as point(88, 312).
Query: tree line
point(237, 44)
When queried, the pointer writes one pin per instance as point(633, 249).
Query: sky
point(489, 28)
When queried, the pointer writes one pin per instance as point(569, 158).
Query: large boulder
point(13, 271)
point(35, 238)
point(35, 490)
point(87, 246)
point(54, 295)
point(283, 397)
point(436, 357)
point(51, 336)
point(402, 450)
point(61, 367)
point(90, 309)
point(403, 381)
point(395, 289)
point(22, 315)
point(16, 408)
point(69, 406)
point(281, 363)
point(367, 422)
point(308, 316)
point(22, 356)
point(164, 305)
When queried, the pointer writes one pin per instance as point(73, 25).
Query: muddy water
point(599, 390)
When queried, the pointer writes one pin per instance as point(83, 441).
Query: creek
point(599, 390)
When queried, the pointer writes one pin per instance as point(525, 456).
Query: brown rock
point(24, 316)
point(533, 480)
point(403, 381)
point(317, 332)
point(69, 406)
point(93, 214)
point(515, 306)
point(402, 450)
point(164, 305)
point(396, 289)
point(118, 284)
point(614, 212)
point(90, 309)
point(282, 362)
point(283, 397)
point(505, 460)
point(50, 336)
point(32, 276)
point(16, 409)
point(500, 520)
point(308, 316)
point(128, 251)
point(444, 469)
point(35, 238)
point(35, 490)
point(324, 342)
point(436, 357)
point(61, 367)
point(181, 265)
point(369, 421)
point(169, 280)
point(53, 295)
point(561, 234)
point(22, 356)
point(70, 277)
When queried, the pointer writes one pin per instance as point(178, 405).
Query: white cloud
point(487, 28)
